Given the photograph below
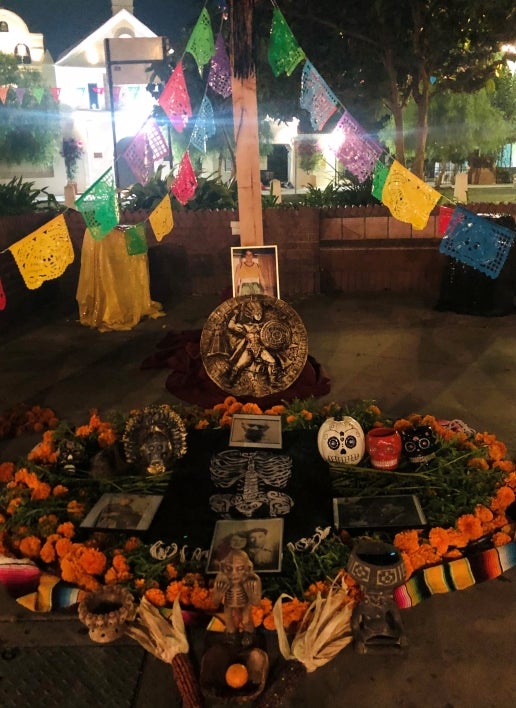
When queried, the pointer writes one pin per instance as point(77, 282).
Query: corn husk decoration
point(167, 641)
point(324, 631)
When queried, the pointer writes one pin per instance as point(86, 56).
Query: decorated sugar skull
point(383, 446)
point(419, 443)
point(341, 442)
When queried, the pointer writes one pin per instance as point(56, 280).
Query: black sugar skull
point(419, 444)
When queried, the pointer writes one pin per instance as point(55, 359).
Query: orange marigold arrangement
point(41, 510)
point(23, 419)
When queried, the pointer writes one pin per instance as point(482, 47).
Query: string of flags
point(47, 252)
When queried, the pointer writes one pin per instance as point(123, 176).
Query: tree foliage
point(27, 128)
point(402, 50)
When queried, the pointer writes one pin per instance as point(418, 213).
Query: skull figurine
point(341, 442)
point(419, 444)
point(70, 455)
point(384, 448)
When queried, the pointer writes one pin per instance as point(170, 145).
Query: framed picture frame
point(394, 512)
point(254, 270)
point(261, 539)
point(256, 431)
point(123, 511)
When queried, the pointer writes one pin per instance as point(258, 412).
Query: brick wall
point(354, 250)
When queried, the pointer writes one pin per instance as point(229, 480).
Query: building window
point(4, 27)
point(22, 54)
point(93, 93)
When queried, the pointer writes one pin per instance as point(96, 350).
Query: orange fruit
point(236, 675)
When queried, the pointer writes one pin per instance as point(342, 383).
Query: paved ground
point(398, 351)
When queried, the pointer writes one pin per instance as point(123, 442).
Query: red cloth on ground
point(189, 381)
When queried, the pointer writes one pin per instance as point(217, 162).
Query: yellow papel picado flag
point(44, 254)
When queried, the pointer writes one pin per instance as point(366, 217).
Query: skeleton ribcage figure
point(249, 472)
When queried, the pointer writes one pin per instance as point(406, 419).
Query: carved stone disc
point(254, 345)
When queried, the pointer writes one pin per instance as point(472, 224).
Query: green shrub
point(18, 197)
point(350, 192)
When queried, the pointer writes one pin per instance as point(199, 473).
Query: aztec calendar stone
point(254, 345)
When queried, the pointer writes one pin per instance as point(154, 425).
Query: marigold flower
point(47, 552)
point(111, 576)
point(307, 415)
point(156, 597)
point(76, 509)
point(252, 408)
point(120, 563)
point(439, 539)
point(41, 492)
point(13, 505)
point(506, 466)
point(500, 538)
point(6, 472)
point(484, 514)
point(173, 590)
point(291, 418)
point(131, 544)
point(93, 561)
point(171, 571)
point(107, 437)
point(470, 526)
point(268, 622)
point(478, 463)
point(258, 613)
point(276, 410)
point(63, 547)
point(66, 529)
point(59, 490)
point(504, 496)
point(407, 541)
point(30, 546)
point(202, 424)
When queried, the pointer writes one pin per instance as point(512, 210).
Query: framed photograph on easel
point(254, 270)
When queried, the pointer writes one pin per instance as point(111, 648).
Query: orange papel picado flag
point(408, 198)
point(44, 254)
point(161, 218)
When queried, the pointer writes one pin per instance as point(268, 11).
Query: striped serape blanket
point(455, 575)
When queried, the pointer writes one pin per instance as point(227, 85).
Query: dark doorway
point(277, 162)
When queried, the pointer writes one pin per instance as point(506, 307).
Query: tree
point(457, 128)
point(402, 50)
point(27, 126)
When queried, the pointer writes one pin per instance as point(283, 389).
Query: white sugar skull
point(341, 442)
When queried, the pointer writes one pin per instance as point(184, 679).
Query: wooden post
point(247, 156)
point(245, 118)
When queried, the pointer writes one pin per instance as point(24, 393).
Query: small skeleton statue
point(238, 587)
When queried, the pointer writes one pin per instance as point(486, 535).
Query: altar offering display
point(254, 345)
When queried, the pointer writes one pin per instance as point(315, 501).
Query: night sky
point(64, 23)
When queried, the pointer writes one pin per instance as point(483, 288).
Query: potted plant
point(72, 151)
point(309, 154)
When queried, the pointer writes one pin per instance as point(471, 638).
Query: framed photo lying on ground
point(254, 270)
point(123, 511)
point(400, 511)
point(255, 431)
point(261, 539)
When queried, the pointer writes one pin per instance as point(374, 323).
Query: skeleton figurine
point(238, 587)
